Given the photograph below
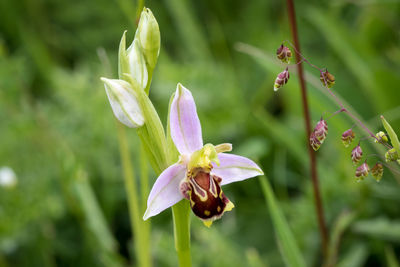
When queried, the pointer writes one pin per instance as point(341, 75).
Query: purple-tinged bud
point(377, 171)
point(391, 155)
point(362, 171)
point(381, 137)
point(356, 154)
point(281, 79)
point(321, 130)
point(327, 78)
point(348, 137)
point(284, 54)
point(314, 142)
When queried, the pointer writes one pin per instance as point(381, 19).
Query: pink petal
point(234, 168)
point(165, 191)
point(184, 122)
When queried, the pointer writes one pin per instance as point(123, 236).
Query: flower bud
point(377, 171)
point(314, 142)
point(321, 130)
point(137, 64)
point(391, 155)
point(124, 102)
point(284, 54)
point(327, 79)
point(282, 79)
point(381, 137)
point(356, 154)
point(348, 137)
point(148, 35)
point(362, 171)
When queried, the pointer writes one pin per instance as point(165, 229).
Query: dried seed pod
point(281, 79)
point(284, 54)
point(391, 155)
point(314, 142)
point(362, 171)
point(348, 137)
point(327, 78)
point(381, 137)
point(321, 130)
point(377, 171)
point(356, 154)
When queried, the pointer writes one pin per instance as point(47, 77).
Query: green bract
point(393, 137)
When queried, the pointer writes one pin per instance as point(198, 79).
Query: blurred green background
point(58, 134)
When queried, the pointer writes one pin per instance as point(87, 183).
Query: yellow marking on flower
point(225, 147)
point(207, 212)
point(203, 158)
point(229, 206)
point(219, 209)
point(208, 223)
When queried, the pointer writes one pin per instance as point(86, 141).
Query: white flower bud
point(124, 102)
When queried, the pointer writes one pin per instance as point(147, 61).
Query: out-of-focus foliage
point(58, 134)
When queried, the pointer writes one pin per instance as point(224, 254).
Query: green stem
point(144, 177)
point(144, 190)
point(181, 217)
point(137, 225)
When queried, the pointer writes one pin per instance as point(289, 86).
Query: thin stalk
point(140, 229)
point(144, 190)
point(144, 177)
point(143, 256)
point(313, 163)
point(181, 217)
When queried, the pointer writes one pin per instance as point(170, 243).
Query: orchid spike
point(201, 169)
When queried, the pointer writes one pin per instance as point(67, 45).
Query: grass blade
point(287, 244)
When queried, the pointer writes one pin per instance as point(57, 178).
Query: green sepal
point(153, 135)
point(393, 136)
point(123, 62)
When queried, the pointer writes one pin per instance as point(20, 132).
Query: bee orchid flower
point(201, 169)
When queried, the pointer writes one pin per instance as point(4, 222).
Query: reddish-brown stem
point(313, 163)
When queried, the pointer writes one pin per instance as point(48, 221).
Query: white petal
point(184, 122)
point(234, 168)
point(165, 191)
point(124, 102)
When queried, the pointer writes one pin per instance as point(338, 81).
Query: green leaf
point(381, 228)
point(393, 136)
point(391, 257)
point(355, 256)
point(96, 221)
point(341, 224)
point(287, 244)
